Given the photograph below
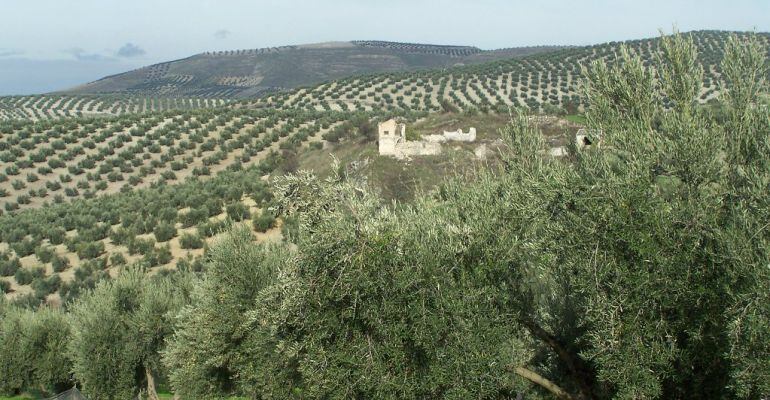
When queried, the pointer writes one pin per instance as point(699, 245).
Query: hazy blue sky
point(53, 44)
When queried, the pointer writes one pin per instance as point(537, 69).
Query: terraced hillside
point(87, 157)
point(249, 73)
point(82, 197)
point(40, 107)
point(534, 81)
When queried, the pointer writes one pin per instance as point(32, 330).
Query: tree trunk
point(573, 362)
point(539, 380)
point(152, 394)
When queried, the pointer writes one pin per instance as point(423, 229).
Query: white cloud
point(222, 34)
point(130, 50)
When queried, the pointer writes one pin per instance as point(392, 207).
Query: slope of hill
point(95, 194)
point(533, 81)
point(532, 77)
point(248, 73)
point(38, 107)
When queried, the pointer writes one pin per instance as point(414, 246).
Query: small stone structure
point(587, 138)
point(456, 136)
point(393, 142)
point(584, 139)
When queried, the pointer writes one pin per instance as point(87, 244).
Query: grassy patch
point(576, 118)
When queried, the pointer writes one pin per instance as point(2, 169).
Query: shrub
point(8, 265)
point(237, 211)
point(5, 286)
point(190, 241)
point(44, 254)
point(90, 250)
point(211, 228)
point(34, 348)
point(141, 246)
point(164, 232)
point(18, 185)
point(193, 217)
point(56, 235)
point(264, 221)
point(24, 247)
point(158, 256)
point(45, 286)
point(290, 228)
point(59, 263)
point(117, 259)
point(115, 342)
point(25, 276)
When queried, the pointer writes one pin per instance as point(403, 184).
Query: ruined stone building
point(393, 142)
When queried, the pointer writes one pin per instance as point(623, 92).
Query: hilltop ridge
point(253, 72)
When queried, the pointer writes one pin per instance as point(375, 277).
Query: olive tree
point(33, 353)
point(118, 331)
point(205, 355)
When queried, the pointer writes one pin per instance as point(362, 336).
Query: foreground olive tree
point(206, 354)
point(638, 268)
point(33, 353)
point(119, 330)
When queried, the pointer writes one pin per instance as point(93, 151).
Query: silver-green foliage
point(207, 353)
point(638, 269)
point(33, 350)
point(119, 329)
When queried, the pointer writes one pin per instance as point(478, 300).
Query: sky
point(48, 45)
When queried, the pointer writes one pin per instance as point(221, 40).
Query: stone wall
point(416, 148)
point(459, 136)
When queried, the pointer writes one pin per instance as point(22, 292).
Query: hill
point(249, 73)
point(531, 77)
point(158, 188)
point(534, 81)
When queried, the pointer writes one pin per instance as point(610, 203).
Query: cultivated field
point(39, 107)
point(538, 81)
point(72, 189)
point(254, 72)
